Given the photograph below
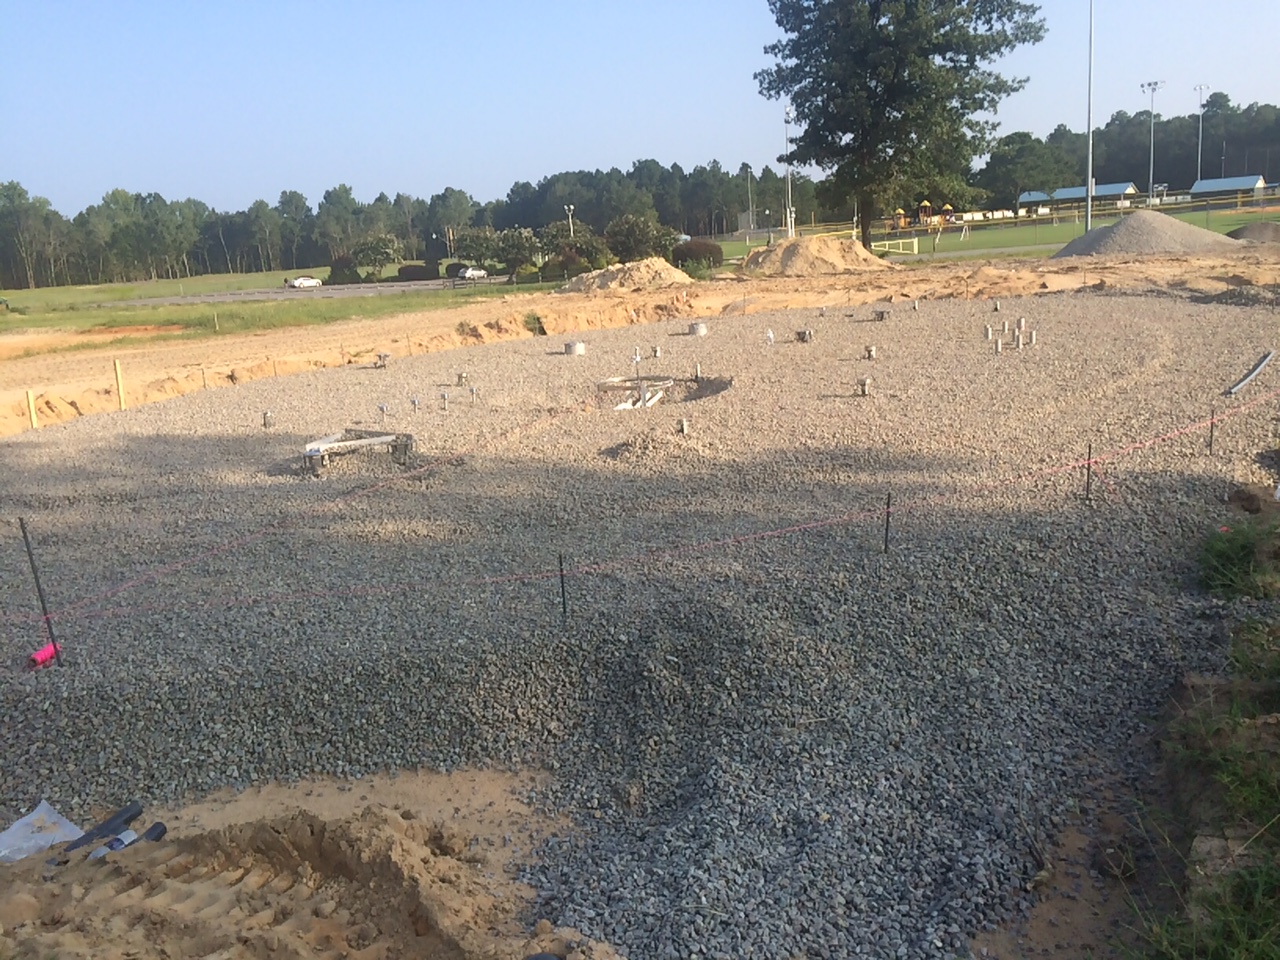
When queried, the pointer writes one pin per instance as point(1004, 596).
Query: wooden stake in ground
point(119, 383)
point(31, 410)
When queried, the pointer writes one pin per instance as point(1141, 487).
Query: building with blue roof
point(1225, 185)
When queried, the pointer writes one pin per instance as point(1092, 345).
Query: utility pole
point(790, 211)
point(1200, 89)
point(751, 210)
point(1152, 87)
point(1088, 165)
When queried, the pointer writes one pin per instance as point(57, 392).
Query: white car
point(302, 283)
point(472, 273)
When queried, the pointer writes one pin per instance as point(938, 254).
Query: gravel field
point(779, 740)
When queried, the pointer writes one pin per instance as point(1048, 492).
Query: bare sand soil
point(416, 864)
point(70, 384)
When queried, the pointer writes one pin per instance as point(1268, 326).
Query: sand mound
point(651, 274)
point(1147, 233)
point(812, 257)
point(379, 884)
point(1266, 231)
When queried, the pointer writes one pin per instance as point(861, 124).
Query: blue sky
point(231, 101)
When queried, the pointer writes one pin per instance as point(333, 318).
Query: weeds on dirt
point(1226, 750)
point(1242, 561)
point(533, 323)
point(1238, 919)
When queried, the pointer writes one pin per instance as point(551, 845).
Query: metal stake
point(1213, 418)
point(44, 605)
point(564, 596)
point(1088, 474)
point(888, 510)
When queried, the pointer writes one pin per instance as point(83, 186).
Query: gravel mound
point(652, 274)
point(812, 257)
point(1266, 231)
point(1147, 233)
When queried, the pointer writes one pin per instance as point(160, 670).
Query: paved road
point(336, 292)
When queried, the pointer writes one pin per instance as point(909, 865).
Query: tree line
point(135, 236)
point(1238, 141)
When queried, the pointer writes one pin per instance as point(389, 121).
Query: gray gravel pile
point(1147, 233)
point(774, 737)
point(1265, 231)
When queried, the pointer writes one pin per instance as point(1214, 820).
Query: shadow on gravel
point(748, 694)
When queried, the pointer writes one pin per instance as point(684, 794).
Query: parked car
point(302, 283)
point(472, 273)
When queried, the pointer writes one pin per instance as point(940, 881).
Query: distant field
point(1001, 235)
point(199, 319)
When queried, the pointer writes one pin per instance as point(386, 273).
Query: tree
point(376, 253)
point(515, 247)
point(1020, 163)
point(296, 222)
point(336, 218)
point(889, 92)
point(475, 245)
point(635, 238)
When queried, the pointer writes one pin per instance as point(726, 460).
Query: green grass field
point(1007, 235)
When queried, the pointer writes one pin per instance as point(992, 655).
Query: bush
point(697, 269)
point(527, 273)
point(691, 251)
point(533, 323)
point(419, 271)
point(343, 270)
point(452, 270)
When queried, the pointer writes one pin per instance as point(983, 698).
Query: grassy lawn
point(198, 319)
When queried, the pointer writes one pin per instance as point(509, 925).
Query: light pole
point(568, 208)
point(1088, 164)
point(751, 210)
point(1151, 87)
point(768, 223)
point(1200, 89)
point(790, 213)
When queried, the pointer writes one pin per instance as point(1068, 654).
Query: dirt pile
point(1264, 231)
point(812, 257)
point(380, 884)
point(652, 274)
point(1147, 233)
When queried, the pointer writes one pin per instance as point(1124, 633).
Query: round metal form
point(871, 353)
point(697, 329)
point(575, 348)
point(804, 336)
point(864, 386)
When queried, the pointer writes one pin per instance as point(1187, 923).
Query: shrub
point(533, 323)
point(452, 270)
point(711, 254)
point(343, 270)
point(527, 273)
point(697, 269)
point(419, 271)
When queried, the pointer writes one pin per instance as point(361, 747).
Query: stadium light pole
point(1088, 164)
point(1200, 89)
point(787, 116)
point(1152, 87)
point(568, 208)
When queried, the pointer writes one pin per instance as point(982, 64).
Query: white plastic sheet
point(36, 832)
